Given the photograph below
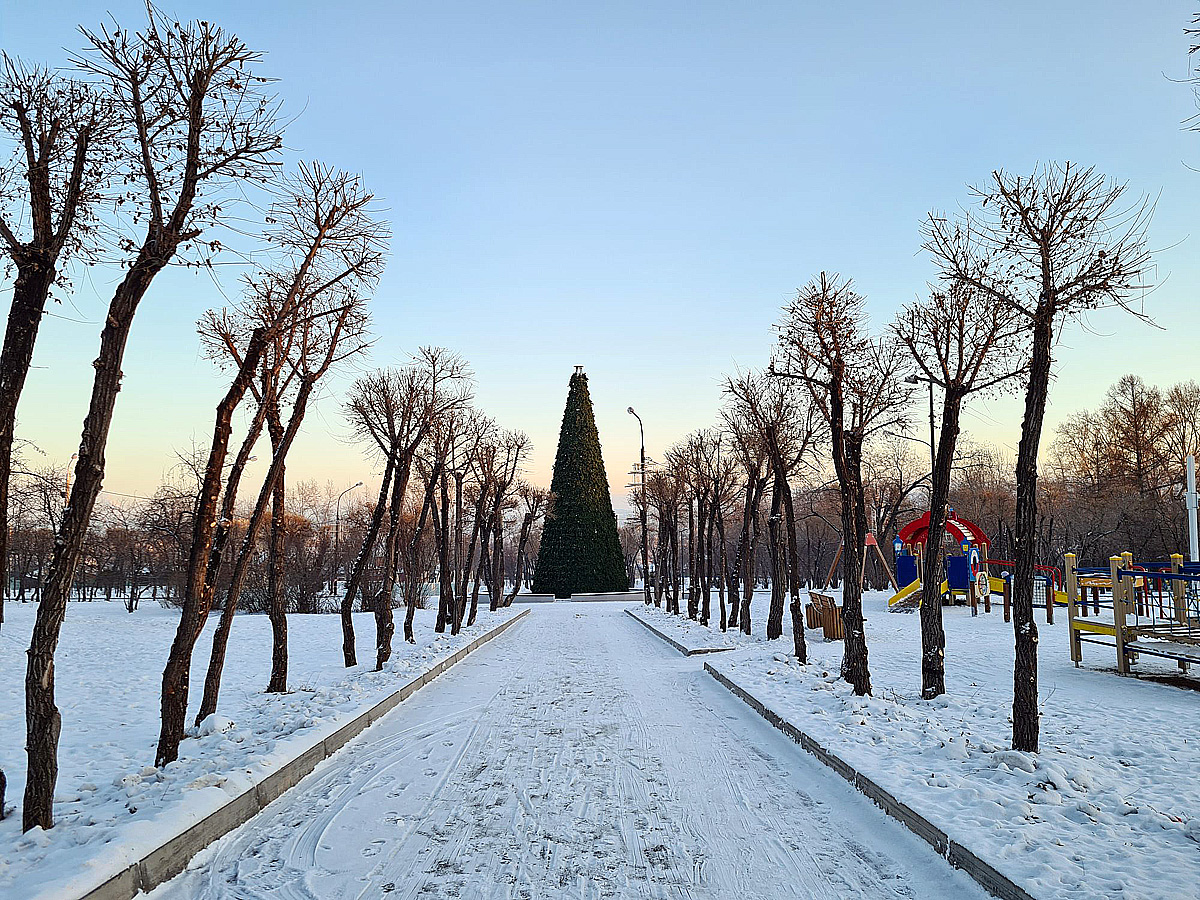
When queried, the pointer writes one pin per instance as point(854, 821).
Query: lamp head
point(631, 412)
point(912, 379)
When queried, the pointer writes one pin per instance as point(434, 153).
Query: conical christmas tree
point(580, 552)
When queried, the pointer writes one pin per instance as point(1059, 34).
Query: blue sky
point(638, 187)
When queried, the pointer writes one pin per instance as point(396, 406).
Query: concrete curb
point(169, 859)
point(611, 597)
point(956, 854)
point(674, 643)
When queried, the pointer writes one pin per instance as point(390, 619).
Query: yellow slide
point(997, 585)
point(905, 592)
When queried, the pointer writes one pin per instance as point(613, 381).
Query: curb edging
point(985, 875)
point(674, 643)
point(170, 858)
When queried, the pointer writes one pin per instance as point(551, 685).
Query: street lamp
point(645, 539)
point(337, 534)
point(917, 379)
point(67, 491)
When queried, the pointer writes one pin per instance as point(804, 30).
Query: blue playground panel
point(906, 570)
point(958, 573)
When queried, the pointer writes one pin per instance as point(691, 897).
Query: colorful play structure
point(1151, 609)
point(967, 566)
point(966, 555)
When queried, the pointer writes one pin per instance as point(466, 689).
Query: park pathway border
point(991, 880)
point(171, 857)
point(694, 651)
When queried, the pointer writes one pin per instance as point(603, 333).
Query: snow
point(1109, 807)
point(577, 756)
point(111, 806)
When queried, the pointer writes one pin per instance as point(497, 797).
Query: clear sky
point(637, 187)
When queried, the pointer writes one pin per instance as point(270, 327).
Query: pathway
point(576, 757)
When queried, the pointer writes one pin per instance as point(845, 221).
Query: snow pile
point(111, 807)
point(1109, 807)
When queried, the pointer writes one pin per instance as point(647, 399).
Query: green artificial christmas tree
point(580, 552)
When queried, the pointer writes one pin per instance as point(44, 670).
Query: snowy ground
point(580, 757)
point(111, 804)
point(1110, 807)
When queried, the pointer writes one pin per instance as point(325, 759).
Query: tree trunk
point(707, 554)
point(204, 558)
point(30, 291)
point(797, 607)
point(411, 587)
point(855, 667)
point(478, 529)
point(385, 625)
point(526, 527)
point(750, 578)
point(360, 564)
point(1025, 692)
point(441, 526)
point(496, 588)
point(775, 546)
point(42, 720)
point(933, 635)
point(278, 605)
point(460, 593)
point(722, 566)
point(740, 557)
point(691, 561)
point(216, 662)
point(482, 567)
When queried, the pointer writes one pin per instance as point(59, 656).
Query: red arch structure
point(916, 532)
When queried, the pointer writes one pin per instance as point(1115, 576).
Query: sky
point(637, 188)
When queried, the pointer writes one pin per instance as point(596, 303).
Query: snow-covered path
point(576, 757)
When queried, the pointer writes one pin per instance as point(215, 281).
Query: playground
point(972, 578)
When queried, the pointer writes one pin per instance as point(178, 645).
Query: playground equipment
point(966, 556)
point(868, 544)
point(1135, 610)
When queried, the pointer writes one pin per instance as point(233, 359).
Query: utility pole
point(337, 534)
point(916, 379)
point(643, 505)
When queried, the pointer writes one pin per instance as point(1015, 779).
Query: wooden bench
point(825, 614)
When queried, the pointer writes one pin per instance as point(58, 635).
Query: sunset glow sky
point(637, 187)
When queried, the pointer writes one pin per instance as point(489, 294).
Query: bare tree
point(64, 134)
point(329, 328)
point(395, 409)
point(328, 241)
point(963, 341)
point(534, 502)
point(1051, 246)
point(787, 429)
point(852, 380)
point(665, 491)
point(199, 121)
point(514, 448)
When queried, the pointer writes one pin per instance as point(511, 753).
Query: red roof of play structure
point(917, 531)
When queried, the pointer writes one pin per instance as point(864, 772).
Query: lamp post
point(67, 490)
point(337, 535)
point(645, 539)
point(917, 379)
